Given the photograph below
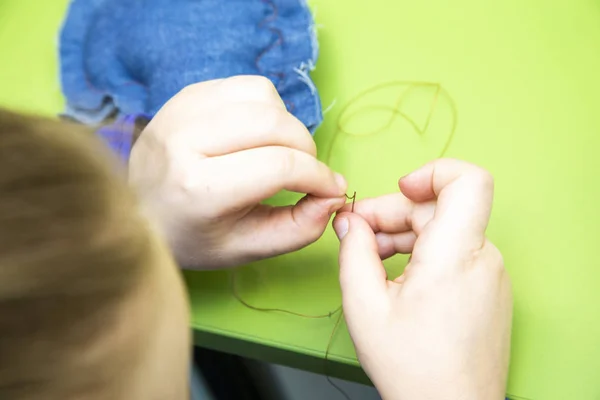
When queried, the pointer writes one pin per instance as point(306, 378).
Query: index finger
point(242, 126)
point(464, 194)
point(237, 89)
point(250, 176)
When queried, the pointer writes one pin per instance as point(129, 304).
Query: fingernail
point(407, 177)
point(341, 227)
point(412, 174)
point(341, 182)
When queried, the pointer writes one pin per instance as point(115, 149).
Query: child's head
point(91, 304)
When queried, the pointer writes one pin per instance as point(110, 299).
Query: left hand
point(212, 154)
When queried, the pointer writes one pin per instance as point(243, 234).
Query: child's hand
point(212, 154)
point(442, 329)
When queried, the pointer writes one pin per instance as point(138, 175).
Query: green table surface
point(524, 76)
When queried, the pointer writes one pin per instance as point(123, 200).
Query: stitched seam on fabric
point(279, 42)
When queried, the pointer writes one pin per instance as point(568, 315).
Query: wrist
point(463, 388)
point(442, 393)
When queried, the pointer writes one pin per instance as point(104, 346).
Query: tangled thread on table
point(395, 111)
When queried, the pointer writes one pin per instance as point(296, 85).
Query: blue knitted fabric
point(128, 57)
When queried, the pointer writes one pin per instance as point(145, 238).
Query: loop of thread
point(394, 111)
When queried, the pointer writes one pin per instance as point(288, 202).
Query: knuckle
point(483, 177)
point(498, 259)
point(280, 122)
point(262, 117)
point(259, 85)
point(193, 92)
point(312, 148)
point(285, 124)
point(190, 90)
point(480, 180)
point(271, 118)
point(494, 257)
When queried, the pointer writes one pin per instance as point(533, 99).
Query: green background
point(525, 79)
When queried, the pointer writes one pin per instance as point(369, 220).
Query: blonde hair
point(73, 247)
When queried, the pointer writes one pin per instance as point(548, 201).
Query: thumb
point(362, 275)
point(270, 231)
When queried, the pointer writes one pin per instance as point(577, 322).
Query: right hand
point(442, 329)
